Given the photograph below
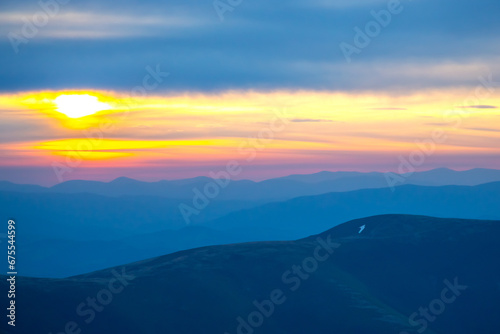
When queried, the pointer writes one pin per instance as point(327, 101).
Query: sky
point(175, 89)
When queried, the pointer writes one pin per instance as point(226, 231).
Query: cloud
point(484, 129)
point(312, 120)
point(481, 107)
point(438, 124)
point(96, 44)
point(346, 3)
point(388, 108)
point(90, 25)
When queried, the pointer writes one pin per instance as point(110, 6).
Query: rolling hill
point(402, 274)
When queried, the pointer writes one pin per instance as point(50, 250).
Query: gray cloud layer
point(259, 45)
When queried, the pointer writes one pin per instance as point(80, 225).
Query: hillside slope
point(346, 282)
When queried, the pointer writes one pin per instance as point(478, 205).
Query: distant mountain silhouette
point(65, 257)
point(269, 190)
point(100, 231)
point(402, 273)
point(309, 215)
point(23, 188)
point(93, 217)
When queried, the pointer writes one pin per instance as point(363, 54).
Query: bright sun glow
point(76, 106)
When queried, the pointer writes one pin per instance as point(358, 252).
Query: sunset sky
point(166, 89)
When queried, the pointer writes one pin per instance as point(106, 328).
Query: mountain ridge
point(93, 219)
point(365, 284)
point(281, 188)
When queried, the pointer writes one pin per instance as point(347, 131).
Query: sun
point(79, 105)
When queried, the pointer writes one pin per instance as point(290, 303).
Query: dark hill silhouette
point(347, 282)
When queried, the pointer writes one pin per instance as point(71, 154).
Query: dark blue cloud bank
point(259, 44)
